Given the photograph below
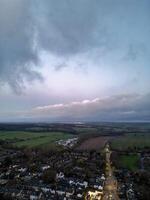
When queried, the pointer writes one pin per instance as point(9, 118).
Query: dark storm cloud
point(69, 27)
point(60, 27)
point(65, 28)
point(17, 51)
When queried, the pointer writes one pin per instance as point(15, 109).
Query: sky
point(74, 60)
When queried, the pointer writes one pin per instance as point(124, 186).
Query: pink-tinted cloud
point(119, 107)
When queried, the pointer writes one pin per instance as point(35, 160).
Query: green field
point(32, 139)
point(86, 130)
point(131, 141)
point(129, 161)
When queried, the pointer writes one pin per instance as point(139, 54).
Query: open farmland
point(130, 162)
point(32, 139)
point(131, 141)
point(95, 143)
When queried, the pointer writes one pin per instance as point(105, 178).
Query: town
point(66, 174)
point(68, 165)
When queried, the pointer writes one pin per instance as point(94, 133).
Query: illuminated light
point(94, 195)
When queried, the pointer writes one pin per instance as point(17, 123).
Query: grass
point(131, 141)
point(32, 139)
point(129, 161)
point(86, 130)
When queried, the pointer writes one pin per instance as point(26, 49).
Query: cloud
point(28, 27)
point(135, 51)
point(115, 108)
point(65, 29)
point(70, 27)
point(17, 50)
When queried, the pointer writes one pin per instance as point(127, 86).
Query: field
point(91, 136)
point(96, 143)
point(131, 141)
point(32, 139)
point(129, 161)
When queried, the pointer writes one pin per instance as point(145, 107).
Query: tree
point(7, 161)
point(49, 176)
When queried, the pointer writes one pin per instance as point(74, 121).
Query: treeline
point(38, 127)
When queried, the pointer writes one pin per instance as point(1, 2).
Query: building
point(110, 191)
